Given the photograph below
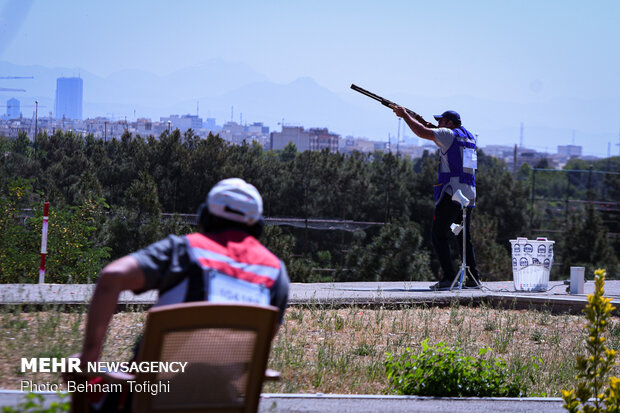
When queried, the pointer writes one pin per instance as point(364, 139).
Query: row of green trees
point(580, 204)
point(110, 197)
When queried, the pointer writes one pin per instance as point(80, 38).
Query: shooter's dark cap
point(450, 115)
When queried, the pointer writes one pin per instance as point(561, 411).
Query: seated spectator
point(222, 262)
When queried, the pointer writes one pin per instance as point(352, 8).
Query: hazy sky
point(514, 51)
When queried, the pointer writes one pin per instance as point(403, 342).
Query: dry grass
point(343, 351)
point(56, 334)
point(338, 350)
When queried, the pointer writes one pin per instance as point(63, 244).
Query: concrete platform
point(370, 294)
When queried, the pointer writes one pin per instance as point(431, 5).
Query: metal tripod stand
point(464, 271)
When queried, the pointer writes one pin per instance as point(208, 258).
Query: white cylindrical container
point(531, 263)
point(577, 279)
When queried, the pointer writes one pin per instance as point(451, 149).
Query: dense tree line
point(581, 202)
point(107, 199)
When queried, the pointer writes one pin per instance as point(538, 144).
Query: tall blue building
point(69, 98)
point(12, 108)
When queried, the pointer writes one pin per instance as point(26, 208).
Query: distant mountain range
point(227, 90)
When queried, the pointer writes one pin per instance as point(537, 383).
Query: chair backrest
point(226, 347)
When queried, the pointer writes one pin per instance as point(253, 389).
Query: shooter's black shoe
point(472, 284)
point(443, 285)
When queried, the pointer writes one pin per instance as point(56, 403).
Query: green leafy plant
point(35, 403)
point(74, 255)
point(590, 394)
point(19, 255)
point(444, 371)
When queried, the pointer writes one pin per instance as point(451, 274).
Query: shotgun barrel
point(391, 104)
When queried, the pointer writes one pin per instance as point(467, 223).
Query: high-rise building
point(210, 124)
point(69, 98)
point(12, 108)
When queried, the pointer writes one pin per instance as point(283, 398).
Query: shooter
point(457, 167)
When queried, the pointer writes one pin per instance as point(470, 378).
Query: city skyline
point(304, 138)
point(548, 66)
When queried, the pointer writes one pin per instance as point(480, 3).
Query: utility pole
point(398, 139)
point(514, 162)
point(36, 115)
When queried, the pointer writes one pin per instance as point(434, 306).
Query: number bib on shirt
point(225, 289)
point(470, 158)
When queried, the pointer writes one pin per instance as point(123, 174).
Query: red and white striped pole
point(46, 210)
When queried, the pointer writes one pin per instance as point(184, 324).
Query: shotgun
point(390, 104)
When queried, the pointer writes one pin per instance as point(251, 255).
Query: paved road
point(338, 403)
point(334, 403)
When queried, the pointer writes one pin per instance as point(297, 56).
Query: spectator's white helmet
point(236, 200)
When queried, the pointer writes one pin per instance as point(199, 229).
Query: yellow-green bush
point(593, 392)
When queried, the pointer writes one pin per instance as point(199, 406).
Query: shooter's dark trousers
point(448, 212)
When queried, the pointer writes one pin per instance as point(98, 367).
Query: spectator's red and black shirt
point(228, 266)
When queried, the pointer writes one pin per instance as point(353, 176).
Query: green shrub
point(443, 371)
point(590, 394)
point(35, 403)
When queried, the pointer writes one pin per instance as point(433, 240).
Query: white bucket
point(531, 263)
point(531, 278)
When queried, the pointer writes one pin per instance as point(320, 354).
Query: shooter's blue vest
point(454, 155)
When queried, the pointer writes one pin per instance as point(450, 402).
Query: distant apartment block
point(144, 127)
point(257, 128)
point(232, 132)
point(365, 145)
point(238, 134)
point(499, 151)
point(313, 139)
point(290, 134)
point(569, 151)
point(183, 122)
point(103, 128)
point(69, 92)
point(13, 109)
point(321, 138)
